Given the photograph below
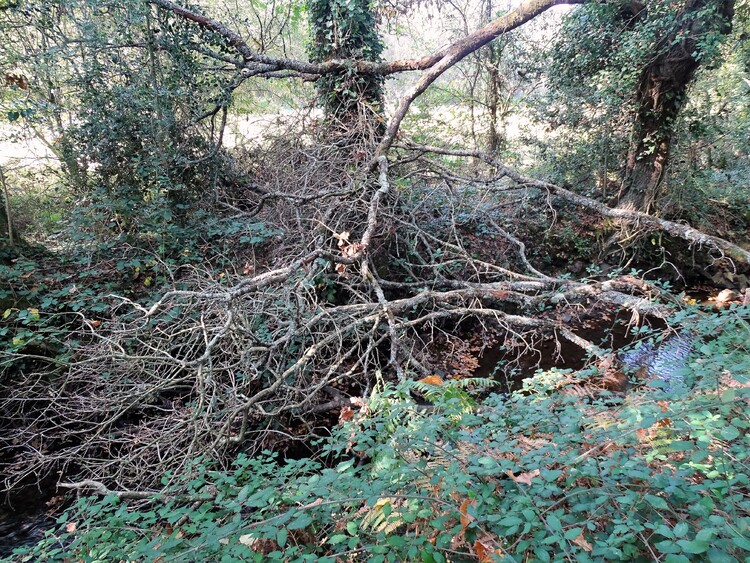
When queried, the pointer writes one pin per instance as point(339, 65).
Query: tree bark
point(661, 93)
point(493, 87)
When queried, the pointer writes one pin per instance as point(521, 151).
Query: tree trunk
point(493, 86)
point(662, 90)
point(6, 220)
point(347, 30)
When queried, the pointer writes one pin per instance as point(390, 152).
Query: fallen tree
point(361, 283)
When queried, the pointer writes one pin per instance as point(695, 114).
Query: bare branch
point(685, 232)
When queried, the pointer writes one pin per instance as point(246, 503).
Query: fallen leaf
point(524, 478)
point(581, 542)
point(487, 550)
point(432, 380)
point(466, 518)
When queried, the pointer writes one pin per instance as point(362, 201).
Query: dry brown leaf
point(346, 414)
point(432, 380)
point(581, 542)
point(247, 539)
point(352, 249)
point(341, 270)
point(486, 547)
point(342, 238)
point(524, 478)
point(466, 518)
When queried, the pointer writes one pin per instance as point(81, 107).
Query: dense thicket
point(210, 291)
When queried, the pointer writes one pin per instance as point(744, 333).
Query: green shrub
point(549, 473)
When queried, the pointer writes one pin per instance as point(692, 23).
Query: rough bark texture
point(662, 89)
point(493, 86)
point(347, 31)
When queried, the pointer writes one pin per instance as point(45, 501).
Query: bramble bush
point(557, 471)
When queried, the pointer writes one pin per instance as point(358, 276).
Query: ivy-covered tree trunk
point(346, 30)
point(6, 225)
point(661, 93)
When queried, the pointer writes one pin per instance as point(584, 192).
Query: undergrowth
point(547, 474)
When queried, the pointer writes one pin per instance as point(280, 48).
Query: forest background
point(341, 279)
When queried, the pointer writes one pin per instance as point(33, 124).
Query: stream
point(23, 518)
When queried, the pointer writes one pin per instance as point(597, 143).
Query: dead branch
point(101, 489)
point(685, 232)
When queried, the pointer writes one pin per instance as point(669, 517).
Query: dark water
point(510, 361)
point(23, 520)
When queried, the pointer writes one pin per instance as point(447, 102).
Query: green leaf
point(554, 523)
point(706, 534)
point(680, 529)
point(656, 502)
point(510, 521)
point(337, 539)
point(573, 533)
point(695, 546)
point(396, 541)
point(281, 537)
point(730, 433)
point(302, 521)
point(681, 445)
point(728, 396)
point(352, 528)
point(668, 546)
